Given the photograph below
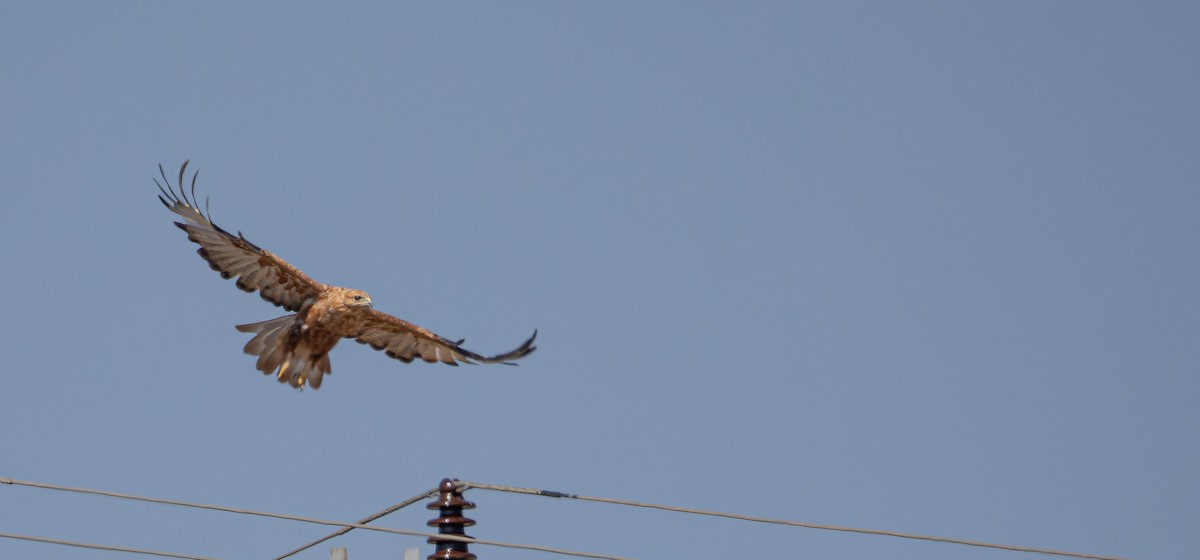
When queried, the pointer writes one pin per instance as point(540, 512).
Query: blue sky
point(924, 267)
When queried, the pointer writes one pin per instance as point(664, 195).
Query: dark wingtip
point(194, 176)
point(179, 183)
point(525, 349)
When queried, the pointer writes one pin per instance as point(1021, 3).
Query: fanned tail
point(279, 349)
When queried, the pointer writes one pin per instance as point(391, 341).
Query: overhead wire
point(103, 547)
point(390, 509)
point(444, 537)
point(463, 485)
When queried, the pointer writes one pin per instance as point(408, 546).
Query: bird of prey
point(296, 347)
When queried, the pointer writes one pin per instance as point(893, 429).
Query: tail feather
point(281, 353)
point(321, 367)
point(270, 359)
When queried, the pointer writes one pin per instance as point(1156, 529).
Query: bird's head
point(356, 298)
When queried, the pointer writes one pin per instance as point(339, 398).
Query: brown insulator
point(450, 505)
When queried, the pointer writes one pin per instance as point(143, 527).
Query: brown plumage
point(296, 347)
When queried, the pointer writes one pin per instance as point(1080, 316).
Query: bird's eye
point(357, 298)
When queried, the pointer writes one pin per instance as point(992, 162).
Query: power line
point(11, 481)
point(103, 547)
point(464, 485)
point(390, 509)
point(553, 494)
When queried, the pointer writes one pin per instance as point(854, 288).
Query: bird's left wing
point(255, 268)
point(405, 341)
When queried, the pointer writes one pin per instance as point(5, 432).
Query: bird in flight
point(296, 347)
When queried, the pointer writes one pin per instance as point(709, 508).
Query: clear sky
point(926, 267)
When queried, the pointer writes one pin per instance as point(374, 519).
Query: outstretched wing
point(404, 341)
point(256, 269)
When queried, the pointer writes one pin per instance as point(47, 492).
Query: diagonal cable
point(390, 509)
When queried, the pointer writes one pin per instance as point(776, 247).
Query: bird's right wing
point(256, 269)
